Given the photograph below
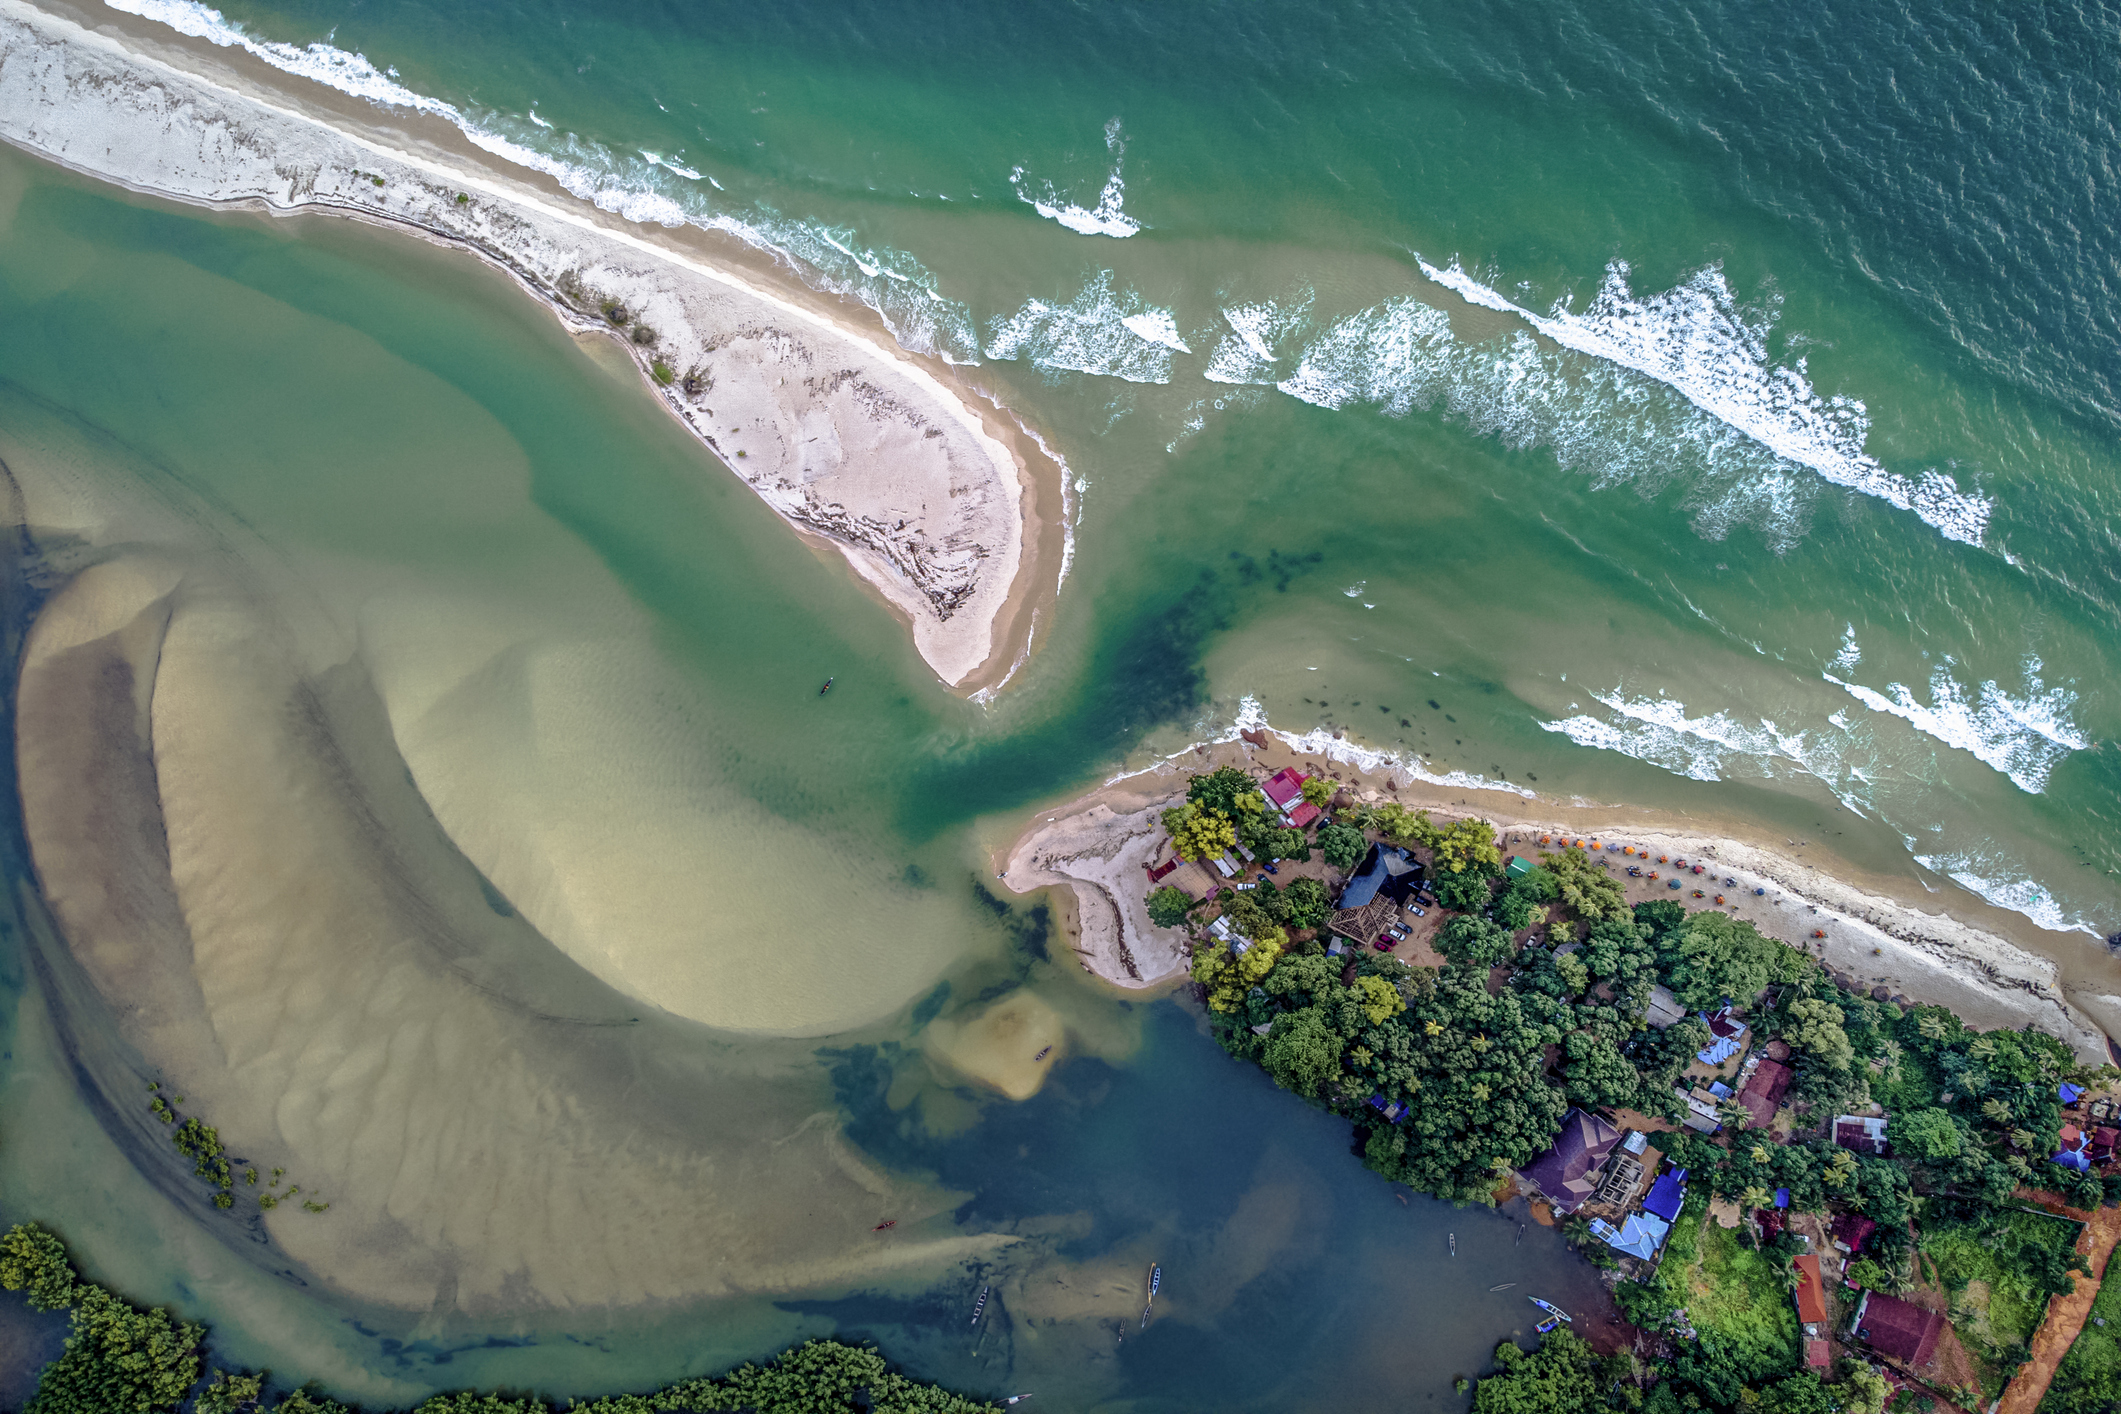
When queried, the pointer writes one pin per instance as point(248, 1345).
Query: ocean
point(1709, 409)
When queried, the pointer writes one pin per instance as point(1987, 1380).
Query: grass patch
point(1988, 1260)
point(664, 373)
point(2089, 1379)
point(1726, 1289)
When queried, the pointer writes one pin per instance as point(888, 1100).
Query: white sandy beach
point(934, 500)
point(1096, 848)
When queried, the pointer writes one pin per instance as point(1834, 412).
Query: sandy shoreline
point(934, 495)
point(1876, 938)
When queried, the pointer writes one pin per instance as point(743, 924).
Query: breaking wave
point(2025, 737)
point(646, 187)
point(1698, 341)
point(1998, 881)
point(1716, 746)
point(1107, 218)
point(1114, 334)
point(1594, 416)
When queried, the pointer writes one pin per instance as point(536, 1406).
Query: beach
point(938, 499)
point(1878, 939)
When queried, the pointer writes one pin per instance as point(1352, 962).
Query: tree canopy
point(1199, 832)
point(1584, 888)
point(1342, 845)
point(1168, 907)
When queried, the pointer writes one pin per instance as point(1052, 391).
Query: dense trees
point(1228, 975)
point(1563, 1376)
point(1517, 907)
point(1303, 1052)
point(1473, 941)
point(117, 1356)
point(1584, 888)
point(1308, 904)
point(1708, 958)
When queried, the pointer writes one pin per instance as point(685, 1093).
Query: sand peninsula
point(944, 507)
point(1877, 940)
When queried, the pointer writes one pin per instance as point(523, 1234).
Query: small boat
point(1454, 1244)
point(1156, 1279)
point(1402, 1199)
point(1552, 1310)
point(1504, 1287)
point(1548, 1324)
point(981, 1304)
point(1015, 1399)
point(826, 688)
point(1520, 1234)
point(1043, 1054)
point(888, 1222)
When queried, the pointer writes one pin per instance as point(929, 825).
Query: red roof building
point(1763, 1091)
point(1811, 1295)
point(1302, 816)
point(1898, 1329)
point(1863, 1133)
point(1284, 787)
point(1851, 1230)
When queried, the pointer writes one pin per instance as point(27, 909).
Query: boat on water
point(1454, 1244)
point(1548, 1324)
point(888, 1222)
point(1504, 1287)
point(1552, 1310)
point(1039, 1057)
point(1520, 1234)
point(1156, 1279)
point(981, 1304)
point(826, 688)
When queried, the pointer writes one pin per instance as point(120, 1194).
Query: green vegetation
point(121, 1358)
point(1999, 1266)
point(1479, 1081)
point(663, 373)
point(1563, 1376)
point(201, 1143)
point(1199, 832)
point(1343, 846)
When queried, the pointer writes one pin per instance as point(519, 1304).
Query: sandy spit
point(1097, 847)
point(934, 496)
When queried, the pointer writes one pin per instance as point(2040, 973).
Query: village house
point(1567, 1174)
point(1898, 1330)
point(1865, 1134)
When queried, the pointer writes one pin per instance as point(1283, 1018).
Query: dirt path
point(2065, 1317)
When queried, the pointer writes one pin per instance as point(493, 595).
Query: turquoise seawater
point(1709, 395)
point(1710, 408)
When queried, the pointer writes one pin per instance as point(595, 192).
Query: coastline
point(940, 502)
point(1878, 938)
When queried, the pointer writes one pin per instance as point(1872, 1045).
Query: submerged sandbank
point(1877, 938)
point(939, 503)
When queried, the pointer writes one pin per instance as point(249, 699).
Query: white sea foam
point(1107, 218)
point(1100, 331)
point(2024, 736)
point(634, 187)
point(1999, 880)
point(1696, 339)
point(1851, 653)
point(1250, 351)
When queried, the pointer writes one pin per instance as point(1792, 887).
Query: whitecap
point(1697, 340)
point(1851, 654)
point(1099, 332)
point(2024, 736)
point(1107, 218)
point(1249, 352)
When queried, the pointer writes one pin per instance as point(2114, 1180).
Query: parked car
point(1417, 910)
point(1383, 944)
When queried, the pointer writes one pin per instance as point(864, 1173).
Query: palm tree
point(1755, 1197)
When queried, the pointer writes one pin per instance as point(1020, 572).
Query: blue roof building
point(1667, 1195)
